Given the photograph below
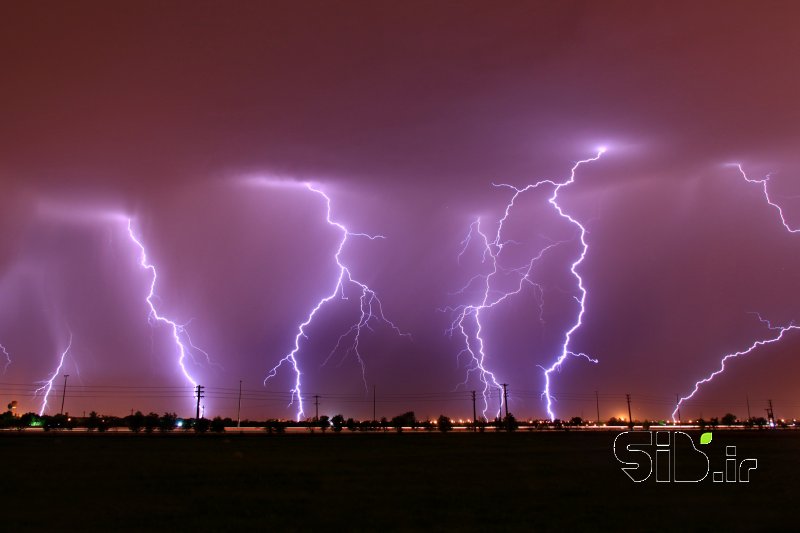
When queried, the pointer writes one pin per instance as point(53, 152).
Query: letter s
point(635, 466)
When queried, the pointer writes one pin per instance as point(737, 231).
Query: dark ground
point(551, 481)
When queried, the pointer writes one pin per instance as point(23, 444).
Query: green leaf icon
point(705, 438)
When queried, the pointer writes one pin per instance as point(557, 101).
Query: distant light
point(179, 423)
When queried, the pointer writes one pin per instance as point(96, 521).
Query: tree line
point(139, 422)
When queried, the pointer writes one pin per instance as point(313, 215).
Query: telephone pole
point(770, 414)
point(199, 394)
point(505, 402)
point(474, 416)
point(747, 399)
point(630, 416)
point(597, 404)
point(64, 393)
point(316, 407)
point(505, 398)
point(239, 408)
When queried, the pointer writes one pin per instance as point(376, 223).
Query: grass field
point(378, 481)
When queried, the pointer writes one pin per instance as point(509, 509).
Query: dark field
point(552, 481)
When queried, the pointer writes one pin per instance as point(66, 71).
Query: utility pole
point(199, 394)
point(747, 399)
point(474, 417)
point(505, 398)
point(630, 416)
point(316, 407)
point(678, 403)
point(239, 408)
point(505, 402)
point(64, 393)
point(597, 403)
point(770, 414)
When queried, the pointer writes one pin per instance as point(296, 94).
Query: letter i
point(730, 464)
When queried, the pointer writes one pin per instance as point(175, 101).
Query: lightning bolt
point(179, 332)
point(371, 309)
point(763, 183)
point(781, 330)
point(48, 384)
point(474, 344)
point(7, 356)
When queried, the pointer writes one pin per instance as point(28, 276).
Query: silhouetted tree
point(576, 421)
point(29, 419)
point(151, 422)
point(510, 422)
point(407, 419)
point(337, 422)
point(167, 421)
point(217, 425)
point(7, 419)
point(444, 423)
point(201, 425)
point(351, 424)
point(729, 419)
point(56, 422)
point(324, 422)
point(93, 422)
point(135, 421)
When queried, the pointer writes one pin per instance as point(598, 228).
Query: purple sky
point(404, 113)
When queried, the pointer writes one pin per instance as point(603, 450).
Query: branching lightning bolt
point(48, 385)
point(781, 330)
point(179, 332)
point(474, 344)
point(371, 309)
point(763, 183)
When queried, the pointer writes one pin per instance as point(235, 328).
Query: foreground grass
point(551, 481)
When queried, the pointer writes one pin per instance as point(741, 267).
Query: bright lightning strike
point(763, 183)
point(7, 356)
point(474, 344)
point(371, 309)
point(48, 385)
point(781, 330)
point(178, 330)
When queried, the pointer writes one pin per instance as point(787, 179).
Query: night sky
point(404, 113)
